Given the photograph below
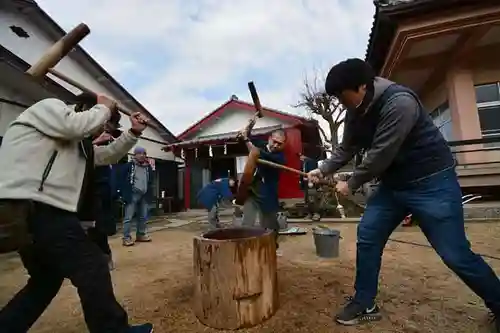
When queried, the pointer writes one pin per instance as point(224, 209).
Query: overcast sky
point(184, 58)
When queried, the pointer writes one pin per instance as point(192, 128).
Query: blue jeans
point(138, 205)
point(437, 205)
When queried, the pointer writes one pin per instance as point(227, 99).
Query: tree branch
point(323, 134)
point(318, 103)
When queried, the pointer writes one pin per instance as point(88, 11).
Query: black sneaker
point(354, 313)
point(495, 323)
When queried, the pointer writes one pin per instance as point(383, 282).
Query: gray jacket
point(396, 120)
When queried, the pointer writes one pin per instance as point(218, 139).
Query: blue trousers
point(436, 202)
point(139, 206)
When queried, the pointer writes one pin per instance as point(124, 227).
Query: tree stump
point(235, 277)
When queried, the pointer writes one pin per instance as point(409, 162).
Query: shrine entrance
point(222, 167)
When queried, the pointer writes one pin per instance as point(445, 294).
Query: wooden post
point(235, 277)
point(59, 50)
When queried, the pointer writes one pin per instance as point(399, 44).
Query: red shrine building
point(210, 149)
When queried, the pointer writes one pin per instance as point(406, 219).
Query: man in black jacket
point(406, 151)
point(105, 217)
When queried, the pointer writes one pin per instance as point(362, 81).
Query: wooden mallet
point(298, 172)
point(255, 99)
point(59, 50)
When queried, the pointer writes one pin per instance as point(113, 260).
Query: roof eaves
point(300, 118)
point(93, 63)
point(47, 83)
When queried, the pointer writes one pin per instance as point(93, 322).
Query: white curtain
point(240, 165)
point(205, 174)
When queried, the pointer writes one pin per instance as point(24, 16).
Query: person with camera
point(50, 145)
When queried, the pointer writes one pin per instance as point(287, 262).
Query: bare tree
point(317, 102)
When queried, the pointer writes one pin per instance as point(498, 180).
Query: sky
point(183, 58)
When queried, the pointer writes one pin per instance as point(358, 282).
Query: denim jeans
point(437, 204)
point(268, 220)
point(213, 217)
point(138, 205)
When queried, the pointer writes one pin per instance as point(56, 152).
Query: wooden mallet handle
point(81, 87)
point(247, 177)
point(255, 99)
point(59, 50)
point(85, 89)
point(284, 167)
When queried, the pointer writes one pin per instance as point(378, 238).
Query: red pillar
point(289, 181)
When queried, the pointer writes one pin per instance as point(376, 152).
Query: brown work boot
point(127, 242)
point(143, 238)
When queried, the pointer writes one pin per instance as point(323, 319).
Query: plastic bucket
point(327, 242)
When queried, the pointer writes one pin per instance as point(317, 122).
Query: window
point(488, 107)
point(20, 32)
point(487, 93)
point(441, 116)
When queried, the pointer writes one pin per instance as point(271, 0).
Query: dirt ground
point(153, 281)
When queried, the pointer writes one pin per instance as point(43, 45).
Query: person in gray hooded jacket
point(416, 169)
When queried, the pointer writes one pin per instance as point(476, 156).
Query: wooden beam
point(468, 20)
point(484, 58)
point(429, 60)
point(463, 47)
point(421, 62)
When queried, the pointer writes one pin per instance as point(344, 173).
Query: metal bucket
point(327, 242)
point(282, 220)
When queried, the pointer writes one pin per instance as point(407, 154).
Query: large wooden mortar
point(235, 277)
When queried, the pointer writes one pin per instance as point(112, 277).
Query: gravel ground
point(153, 281)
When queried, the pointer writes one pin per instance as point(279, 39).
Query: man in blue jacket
point(263, 197)
point(136, 189)
point(416, 168)
point(210, 196)
point(311, 195)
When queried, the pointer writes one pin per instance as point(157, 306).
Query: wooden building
point(26, 32)
point(447, 51)
point(211, 150)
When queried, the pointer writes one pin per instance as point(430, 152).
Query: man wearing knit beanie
point(136, 191)
point(407, 153)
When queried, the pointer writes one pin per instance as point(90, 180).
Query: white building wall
point(31, 49)
point(8, 113)
point(235, 120)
